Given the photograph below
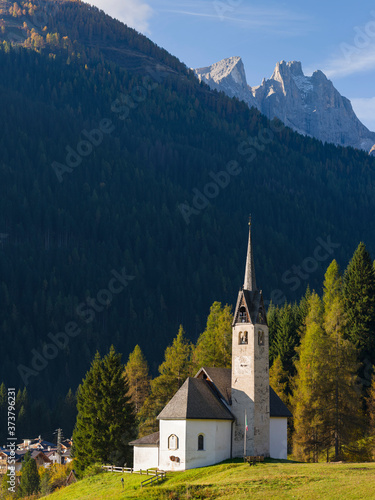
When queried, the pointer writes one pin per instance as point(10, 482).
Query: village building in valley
point(224, 413)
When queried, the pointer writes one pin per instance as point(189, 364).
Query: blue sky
point(336, 37)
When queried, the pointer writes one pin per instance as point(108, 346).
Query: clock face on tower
point(242, 365)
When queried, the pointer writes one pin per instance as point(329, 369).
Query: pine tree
point(30, 482)
point(342, 410)
point(279, 379)
point(105, 421)
point(307, 400)
point(273, 322)
point(287, 339)
point(371, 416)
point(174, 370)
point(214, 345)
point(359, 303)
point(68, 413)
point(137, 373)
point(371, 408)
point(3, 411)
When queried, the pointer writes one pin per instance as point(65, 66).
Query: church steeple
point(249, 282)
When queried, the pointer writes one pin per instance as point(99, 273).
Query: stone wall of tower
point(250, 389)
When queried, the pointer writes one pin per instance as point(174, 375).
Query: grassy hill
point(235, 481)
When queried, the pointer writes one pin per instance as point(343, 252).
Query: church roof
point(253, 301)
point(195, 400)
point(151, 439)
point(277, 407)
point(222, 379)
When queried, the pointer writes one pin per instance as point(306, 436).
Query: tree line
point(119, 208)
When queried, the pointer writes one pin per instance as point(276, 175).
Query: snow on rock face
point(308, 104)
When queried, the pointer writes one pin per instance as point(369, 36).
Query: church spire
point(249, 282)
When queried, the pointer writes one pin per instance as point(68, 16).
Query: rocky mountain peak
point(308, 104)
point(231, 68)
point(228, 76)
point(286, 69)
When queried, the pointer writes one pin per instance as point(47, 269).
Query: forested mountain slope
point(130, 198)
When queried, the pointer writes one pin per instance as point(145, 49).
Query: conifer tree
point(307, 398)
point(69, 413)
point(279, 379)
point(30, 482)
point(137, 373)
point(174, 370)
point(273, 322)
point(359, 303)
point(105, 421)
point(214, 345)
point(3, 411)
point(371, 416)
point(286, 338)
point(342, 410)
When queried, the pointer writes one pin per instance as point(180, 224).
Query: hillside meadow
point(234, 480)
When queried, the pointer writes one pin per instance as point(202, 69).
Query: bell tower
point(250, 368)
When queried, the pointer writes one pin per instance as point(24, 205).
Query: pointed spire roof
point(249, 282)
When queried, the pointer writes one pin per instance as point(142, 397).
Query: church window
point(242, 315)
point(243, 339)
point(173, 442)
point(260, 337)
point(200, 442)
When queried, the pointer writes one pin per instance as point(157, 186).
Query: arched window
point(173, 442)
point(242, 338)
point(242, 315)
point(200, 442)
point(260, 337)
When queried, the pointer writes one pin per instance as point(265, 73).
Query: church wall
point(216, 442)
point(168, 428)
point(243, 389)
point(279, 437)
point(146, 457)
point(250, 389)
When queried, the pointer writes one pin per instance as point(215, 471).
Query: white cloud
point(350, 60)
point(135, 13)
point(277, 20)
point(364, 108)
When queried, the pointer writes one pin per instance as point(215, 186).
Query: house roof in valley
point(19, 454)
point(151, 439)
point(195, 400)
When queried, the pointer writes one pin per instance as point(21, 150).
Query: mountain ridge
point(309, 105)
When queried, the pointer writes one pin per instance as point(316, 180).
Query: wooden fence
point(157, 475)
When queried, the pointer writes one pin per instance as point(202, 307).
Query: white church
point(223, 413)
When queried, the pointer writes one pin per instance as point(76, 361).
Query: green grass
point(233, 480)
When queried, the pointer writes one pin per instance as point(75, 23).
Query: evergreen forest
point(125, 190)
